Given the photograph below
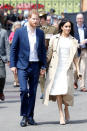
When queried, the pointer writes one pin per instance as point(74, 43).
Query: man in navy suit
point(80, 33)
point(28, 59)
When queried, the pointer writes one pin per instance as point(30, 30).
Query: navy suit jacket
point(20, 49)
point(76, 35)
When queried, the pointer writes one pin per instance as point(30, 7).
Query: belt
point(33, 62)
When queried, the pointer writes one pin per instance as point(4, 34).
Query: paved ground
point(47, 117)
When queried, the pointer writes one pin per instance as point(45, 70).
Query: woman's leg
point(42, 84)
point(67, 116)
point(59, 101)
point(16, 82)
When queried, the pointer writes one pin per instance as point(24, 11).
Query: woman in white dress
point(61, 54)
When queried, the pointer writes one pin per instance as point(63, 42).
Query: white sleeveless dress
point(60, 85)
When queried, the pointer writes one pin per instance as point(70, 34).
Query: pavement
point(47, 117)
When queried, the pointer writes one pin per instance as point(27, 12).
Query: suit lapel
point(85, 31)
point(77, 33)
point(37, 38)
point(26, 39)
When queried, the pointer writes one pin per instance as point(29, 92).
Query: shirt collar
point(79, 26)
point(28, 29)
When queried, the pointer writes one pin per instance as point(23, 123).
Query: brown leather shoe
point(2, 97)
point(75, 86)
point(83, 90)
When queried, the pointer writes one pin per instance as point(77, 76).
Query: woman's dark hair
point(61, 24)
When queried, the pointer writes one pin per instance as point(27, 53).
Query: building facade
point(59, 5)
point(84, 5)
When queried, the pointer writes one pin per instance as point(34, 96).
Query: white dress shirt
point(32, 43)
point(81, 33)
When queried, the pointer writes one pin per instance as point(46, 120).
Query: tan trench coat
point(52, 57)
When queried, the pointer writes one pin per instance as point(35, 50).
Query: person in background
point(5, 15)
point(48, 19)
point(52, 12)
point(62, 52)
point(80, 33)
point(11, 18)
point(25, 21)
point(28, 59)
point(20, 17)
point(15, 26)
point(62, 15)
point(55, 22)
point(4, 58)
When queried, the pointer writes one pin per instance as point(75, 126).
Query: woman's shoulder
point(55, 36)
point(75, 41)
point(73, 38)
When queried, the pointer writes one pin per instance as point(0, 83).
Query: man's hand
point(42, 72)
point(14, 70)
point(83, 42)
point(8, 63)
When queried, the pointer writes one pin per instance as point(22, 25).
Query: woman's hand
point(42, 72)
point(14, 70)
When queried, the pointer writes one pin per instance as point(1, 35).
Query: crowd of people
point(42, 48)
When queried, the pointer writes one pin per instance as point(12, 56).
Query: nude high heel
point(62, 121)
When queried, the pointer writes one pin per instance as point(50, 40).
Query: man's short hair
point(79, 14)
point(33, 11)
